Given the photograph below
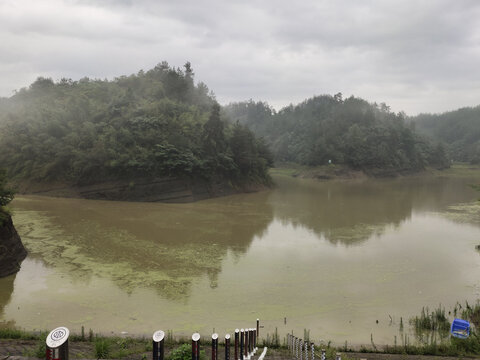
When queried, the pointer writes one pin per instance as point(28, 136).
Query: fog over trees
point(154, 123)
point(459, 130)
point(348, 131)
point(160, 123)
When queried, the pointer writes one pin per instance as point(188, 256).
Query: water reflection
point(168, 246)
point(110, 264)
point(352, 212)
point(164, 246)
point(6, 287)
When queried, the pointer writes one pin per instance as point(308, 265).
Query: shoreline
point(32, 346)
point(344, 173)
point(165, 190)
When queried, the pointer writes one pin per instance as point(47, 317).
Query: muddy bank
point(169, 190)
point(326, 172)
point(343, 172)
point(12, 251)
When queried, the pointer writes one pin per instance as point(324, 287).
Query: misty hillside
point(154, 123)
point(459, 129)
point(348, 131)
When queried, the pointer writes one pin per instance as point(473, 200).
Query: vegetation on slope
point(352, 132)
point(6, 195)
point(156, 123)
point(459, 129)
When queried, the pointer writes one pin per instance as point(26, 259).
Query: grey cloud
point(414, 55)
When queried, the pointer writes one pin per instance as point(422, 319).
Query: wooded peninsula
point(160, 124)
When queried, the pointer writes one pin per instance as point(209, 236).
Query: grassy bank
point(324, 172)
point(430, 329)
point(335, 171)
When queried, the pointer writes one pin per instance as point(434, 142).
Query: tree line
point(329, 129)
point(161, 123)
point(155, 123)
point(459, 130)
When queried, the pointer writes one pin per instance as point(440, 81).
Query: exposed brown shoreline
point(167, 189)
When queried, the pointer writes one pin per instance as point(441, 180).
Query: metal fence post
point(227, 347)
point(300, 348)
point(242, 340)
point(306, 350)
point(215, 346)
point(258, 327)
point(323, 355)
point(57, 344)
point(196, 346)
point(250, 341)
point(312, 345)
point(237, 335)
point(338, 356)
point(295, 353)
point(245, 350)
point(158, 345)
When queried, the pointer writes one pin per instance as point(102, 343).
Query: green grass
point(11, 333)
point(102, 348)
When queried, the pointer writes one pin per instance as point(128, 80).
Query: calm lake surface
point(332, 257)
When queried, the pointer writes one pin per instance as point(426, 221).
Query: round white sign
point(57, 337)
point(196, 337)
point(158, 335)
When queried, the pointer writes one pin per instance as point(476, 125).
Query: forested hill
point(157, 123)
point(459, 129)
point(348, 131)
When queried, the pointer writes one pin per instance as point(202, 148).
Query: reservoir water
point(331, 257)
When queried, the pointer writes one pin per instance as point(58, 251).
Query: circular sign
point(196, 337)
point(236, 330)
point(215, 336)
point(227, 336)
point(57, 337)
point(158, 335)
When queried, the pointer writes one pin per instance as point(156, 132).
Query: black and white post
point(57, 344)
point(215, 346)
point(245, 350)
point(196, 346)
point(295, 350)
point(237, 335)
point(158, 345)
point(227, 347)
point(300, 349)
point(306, 350)
point(242, 340)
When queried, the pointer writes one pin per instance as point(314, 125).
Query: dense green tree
point(6, 194)
point(346, 131)
point(459, 130)
point(154, 123)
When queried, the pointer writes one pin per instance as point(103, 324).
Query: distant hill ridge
point(350, 131)
point(459, 130)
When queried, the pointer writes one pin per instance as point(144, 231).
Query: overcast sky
point(414, 55)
